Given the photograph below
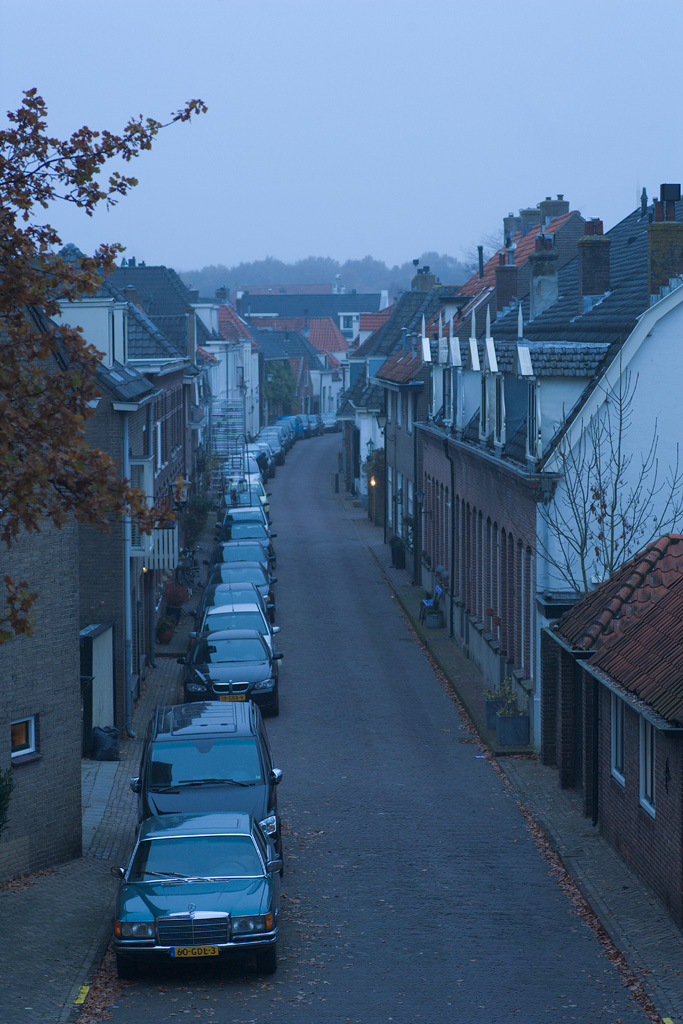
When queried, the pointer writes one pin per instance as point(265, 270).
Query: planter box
point(493, 706)
point(398, 557)
point(434, 619)
point(512, 730)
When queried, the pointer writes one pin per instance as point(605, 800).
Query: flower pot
point(164, 636)
point(512, 730)
point(493, 705)
point(434, 619)
point(398, 558)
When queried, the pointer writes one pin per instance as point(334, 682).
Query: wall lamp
point(381, 418)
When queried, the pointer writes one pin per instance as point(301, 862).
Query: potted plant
point(512, 723)
point(175, 595)
point(165, 627)
point(398, 551)
point(495, 698)
point(434, 614)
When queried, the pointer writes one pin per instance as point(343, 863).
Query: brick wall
point(40, 675)
point(652, 846)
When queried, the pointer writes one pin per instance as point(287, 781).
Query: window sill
point(648, 807)
point(621, 779)
point(20, 759)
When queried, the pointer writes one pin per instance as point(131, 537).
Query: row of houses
point(175, 370)
point(525, 426)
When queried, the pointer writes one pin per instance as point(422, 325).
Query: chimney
point(191, 335)
point(423, 280)
point(552, 208)
point(511, 225)
point(222, 294)
point(543, 288)
point(194, 294)
point(480, 251)
point(506, 282)
point(132, 295)
point(593, 265)
point(664, 241)
point(529, 216)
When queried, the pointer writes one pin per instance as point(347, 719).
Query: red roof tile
point(208, 357)
point(231, 326)
point(400, 368)
point(371, 321)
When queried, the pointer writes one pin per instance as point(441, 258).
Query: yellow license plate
point(190, 952)
point(233, 696)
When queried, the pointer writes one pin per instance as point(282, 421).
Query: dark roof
point(160, 289)
point(123, 383)
point(407, 313)
point(361, 395)
point(145, 340)
point(288, 345)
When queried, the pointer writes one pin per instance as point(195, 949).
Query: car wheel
point(126, 969)
point(266, 962)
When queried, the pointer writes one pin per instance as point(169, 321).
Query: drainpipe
point(451, 571)
point(127, 608)
point(417, 520)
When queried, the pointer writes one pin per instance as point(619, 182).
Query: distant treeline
point(366, 275)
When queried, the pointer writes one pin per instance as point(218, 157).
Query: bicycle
point(187, 570)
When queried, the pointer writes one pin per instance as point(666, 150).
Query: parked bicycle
point(187, 570)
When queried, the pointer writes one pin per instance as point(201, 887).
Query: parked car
point(240, 551)
point(232, 665)
point(243, 514)
point(249, 530)
point(246, 494)
point(296, 423)
point(276, 442)
point(205, 757)
point(245, 572)
point(331, 424)
point(217, 592)
point(232, 612)
point(197, 886)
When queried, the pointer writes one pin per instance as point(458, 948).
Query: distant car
point(246, 494)
point(217, 592)
point(197, 886)
point(232, 666)
point(243, 514)
point(205, 757)
point(296, 424)
point(245, 572)
point(330, 422)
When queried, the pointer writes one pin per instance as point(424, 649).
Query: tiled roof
point(206, 357)
point(407, 313)
point(361, 395)
point(288, 289)
point(123, 383)
point(160, 289)
point(403, 368)
point(231, 326)
point(371, 321)
point(625, 596)
point(323, 332)
point(286, 345)
point(146, 340)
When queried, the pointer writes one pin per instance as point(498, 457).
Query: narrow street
point(412, 891)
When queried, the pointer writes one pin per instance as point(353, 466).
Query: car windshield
point(195, 857)
point(188, 761)
point(234, 574)
point(244, 553)
point(214, 652)
point(248, 529)
point(236, 620)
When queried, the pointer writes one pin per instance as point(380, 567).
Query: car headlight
point(252, 925)
point(269, 825)
point(195, 687)
point(265, 684)
point(134, 929)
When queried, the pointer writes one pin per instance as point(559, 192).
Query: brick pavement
point(634, 919)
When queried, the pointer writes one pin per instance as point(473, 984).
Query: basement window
point(23, 737)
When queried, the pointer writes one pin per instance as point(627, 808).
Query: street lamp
point(370, 445)
point(381, 418)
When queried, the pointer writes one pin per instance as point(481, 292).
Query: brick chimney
point(594, 268)
point(543, 287)
point(664, 241)
point(552, 208)
point(511, 225)
point(423, 280)
point(506, 282)
point(529, 216)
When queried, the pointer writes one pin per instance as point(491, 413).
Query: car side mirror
point(193, 636)
point(182, 661)
point(136, 785)
point(278, 655)
point(276, 776)
point(276, 629)
point(273, 535)
point(272, 865)
point(118, 872)
point(273, 579)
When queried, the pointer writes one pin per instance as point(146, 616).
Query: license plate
point(232, 696)
point(190, 952)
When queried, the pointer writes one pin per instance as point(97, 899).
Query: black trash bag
point(105, 743)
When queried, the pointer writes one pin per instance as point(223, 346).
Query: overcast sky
point(348, 128)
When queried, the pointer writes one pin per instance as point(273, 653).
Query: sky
point(350, 128)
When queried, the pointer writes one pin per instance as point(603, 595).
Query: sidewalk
point(631, 915)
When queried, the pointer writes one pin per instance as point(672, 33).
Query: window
point(23, 736)
point(647, 766)
point(618, 738)
point(347, 323)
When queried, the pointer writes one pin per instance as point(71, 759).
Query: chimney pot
point(659, 211)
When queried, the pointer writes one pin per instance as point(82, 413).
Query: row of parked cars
point(203, 881)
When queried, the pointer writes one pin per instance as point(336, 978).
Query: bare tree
point(613, 498)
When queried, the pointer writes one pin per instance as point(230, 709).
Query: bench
point(428, 603)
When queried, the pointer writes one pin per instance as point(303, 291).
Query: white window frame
point(31, 747)
point(648, 755)
point(617, 738)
